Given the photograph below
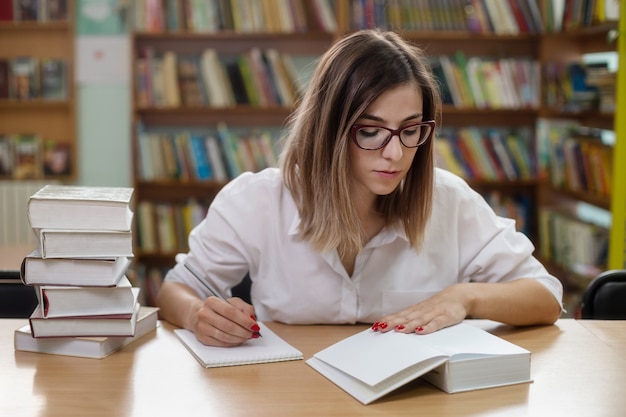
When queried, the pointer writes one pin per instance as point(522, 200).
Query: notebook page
point(269, 348)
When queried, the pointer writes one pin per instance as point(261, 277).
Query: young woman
point(357, 225)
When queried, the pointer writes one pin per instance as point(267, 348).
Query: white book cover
point(85, 347)
point(405, 357)
point(35, 270)
point(84, 326)
point(71, 301)
point(80, 207)
point(68, 243)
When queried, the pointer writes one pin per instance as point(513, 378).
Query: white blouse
point(252, 224)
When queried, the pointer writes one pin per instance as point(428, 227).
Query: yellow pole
point(618, 193)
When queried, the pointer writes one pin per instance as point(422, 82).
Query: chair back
point(16, 299)
point(605, 296)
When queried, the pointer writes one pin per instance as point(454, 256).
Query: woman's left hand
point(448, 307)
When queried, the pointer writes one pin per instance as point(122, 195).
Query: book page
point(368, 393)
point(372, 357)
point(464, 340)
point(268, 348)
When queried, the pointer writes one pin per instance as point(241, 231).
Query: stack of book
point(79, 271)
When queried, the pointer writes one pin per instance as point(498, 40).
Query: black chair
point(16, 299)
point(605, 297)
point(242, 290)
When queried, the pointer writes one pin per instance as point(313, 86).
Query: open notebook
point(269, 348)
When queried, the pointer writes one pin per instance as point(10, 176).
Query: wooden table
point(578, 367)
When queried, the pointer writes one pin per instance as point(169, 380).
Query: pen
point(209, 287)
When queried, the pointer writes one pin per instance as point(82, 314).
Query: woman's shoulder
point(446, 180)
point(261, 182)
point(452, 189)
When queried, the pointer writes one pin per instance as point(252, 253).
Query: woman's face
point(379, 172)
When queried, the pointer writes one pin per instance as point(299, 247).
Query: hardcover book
point(72, 301)
point(83, 326)
point(54, 85)
point(6, 11)
point(80, 207)
point(190, 81)
point(5, 78)
point(68, 243)
point(26, 10)
point(459, 358)
point(6, 156)
point(106, 272)
point(54, 10)
point(27, 157)
point(56, 158)
point(24, 78)
point(85, 347)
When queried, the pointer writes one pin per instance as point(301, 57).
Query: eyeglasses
point(375, 137)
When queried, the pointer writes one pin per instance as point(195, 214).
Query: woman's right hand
point(225, 324)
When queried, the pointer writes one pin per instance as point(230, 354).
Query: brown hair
point(315, 167)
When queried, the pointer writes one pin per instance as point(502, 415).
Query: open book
point(269, 348)
point(371, 364)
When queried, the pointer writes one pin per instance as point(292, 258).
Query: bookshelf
point(38, 120)
point(171, 202)
point(584, 225)
point(440, 34)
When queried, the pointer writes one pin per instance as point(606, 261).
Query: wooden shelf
point(52, 26)
point(231, 43)
point(205, 116)
point(53, 120)
point(602, 201)
point(34, 104)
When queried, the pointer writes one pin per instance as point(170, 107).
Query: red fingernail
point(383, 325)
point(420, 329)
point(399, 327)
point(253, 317)
point(375, 326)
point(256, 335)
point(255, 328)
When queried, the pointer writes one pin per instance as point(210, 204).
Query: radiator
point(14, 226)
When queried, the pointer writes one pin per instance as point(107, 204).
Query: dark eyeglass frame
point(394, 132)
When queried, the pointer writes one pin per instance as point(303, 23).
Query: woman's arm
point(214, 321)
point(519, 302)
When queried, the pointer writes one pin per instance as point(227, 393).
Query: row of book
point(576, 245)
point(28, 156)
point(477, 82)
point(28, 78)
point(289, 16)
point(491, 154)
point(200, 156)
point(578, 86)
point(80, 279)
point(257, 78)
point(476, 16)
point(517, 207)
point(164, 227)
point(579, 158)
point(241, 16)
point(33, 10)
point(481, 16)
